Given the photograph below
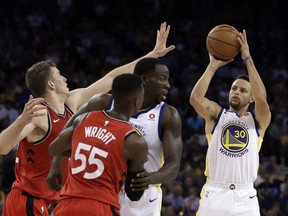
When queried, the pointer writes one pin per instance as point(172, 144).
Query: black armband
point(133, 195)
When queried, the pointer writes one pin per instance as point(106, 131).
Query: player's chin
point(161, 98)
point(234, 105)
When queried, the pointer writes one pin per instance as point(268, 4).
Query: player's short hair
point(37, 76)
point(147, 65)
point(243, 76)
point(126, 84)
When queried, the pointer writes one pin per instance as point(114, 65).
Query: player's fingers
point(139, 189)
point(158, 35)
point(38, 107)
point(142, 174)
point(167, 32)
point(36, 101)
point(163, 27)
point(30, 97)
point(244, 34)
point(31, 103)
point(139, 180)
point(171, 47)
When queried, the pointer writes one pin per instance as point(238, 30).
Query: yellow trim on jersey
point(138, 132)
point(259, 143)
point(162, 160)
point(209, 138)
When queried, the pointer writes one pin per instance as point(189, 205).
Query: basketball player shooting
point(234, 138)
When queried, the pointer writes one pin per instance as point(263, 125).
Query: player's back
point(97, 168)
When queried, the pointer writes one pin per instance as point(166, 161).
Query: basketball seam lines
point(223, 42)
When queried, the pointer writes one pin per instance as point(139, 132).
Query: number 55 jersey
point(97, 168)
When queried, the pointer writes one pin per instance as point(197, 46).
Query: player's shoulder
point(170, 113)
point(99, 100)
point(170, 110)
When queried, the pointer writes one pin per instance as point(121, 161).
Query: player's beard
point(235, 106)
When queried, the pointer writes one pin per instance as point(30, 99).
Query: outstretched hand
point(160, 48)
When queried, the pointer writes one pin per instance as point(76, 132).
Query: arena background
point(89, 38)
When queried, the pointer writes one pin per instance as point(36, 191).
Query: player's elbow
point(194, 99)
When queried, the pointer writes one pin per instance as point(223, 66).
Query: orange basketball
point(222, 42)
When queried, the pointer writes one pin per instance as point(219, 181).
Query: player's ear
point(50, 84)
point(144, 79)
point(251, 100)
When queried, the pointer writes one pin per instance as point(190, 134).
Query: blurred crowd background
point(86, 39)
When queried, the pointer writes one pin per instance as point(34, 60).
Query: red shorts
point(80, 207)
point(19, 202)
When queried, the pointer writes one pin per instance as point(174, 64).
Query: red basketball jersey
point(97, 167)
point(33, 160)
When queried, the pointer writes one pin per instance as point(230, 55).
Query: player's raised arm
point(82, 95)
point(203, 106)
point(262, 110)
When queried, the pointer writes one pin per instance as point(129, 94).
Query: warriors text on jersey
point(97, 168)
point(234, 144)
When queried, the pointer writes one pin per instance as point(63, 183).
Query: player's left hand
point(244, 45)
point(160, 48)
point(141, 182)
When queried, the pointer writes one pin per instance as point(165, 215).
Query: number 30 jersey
point(233, 147)
point(97, 167)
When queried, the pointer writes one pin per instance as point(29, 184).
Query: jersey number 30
point(94, 152)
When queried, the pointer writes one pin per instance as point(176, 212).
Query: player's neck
point(118, 115)
point(56, 106)
point(146, 105)
point(240, 112)
point(55, 102)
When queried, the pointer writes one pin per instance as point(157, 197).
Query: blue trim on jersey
point(144, 111)
point(233, 111)
point(160, 134)
point(255, 122)
point(217, 120)
point(110, 103)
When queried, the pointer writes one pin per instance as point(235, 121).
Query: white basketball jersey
point(148, 123)
point(234, 144)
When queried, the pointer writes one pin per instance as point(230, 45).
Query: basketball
point(222, 42)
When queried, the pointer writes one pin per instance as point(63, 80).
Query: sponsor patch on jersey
point(151, 117)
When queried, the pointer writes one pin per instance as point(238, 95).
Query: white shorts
point(149, 204)
point(220, 199)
